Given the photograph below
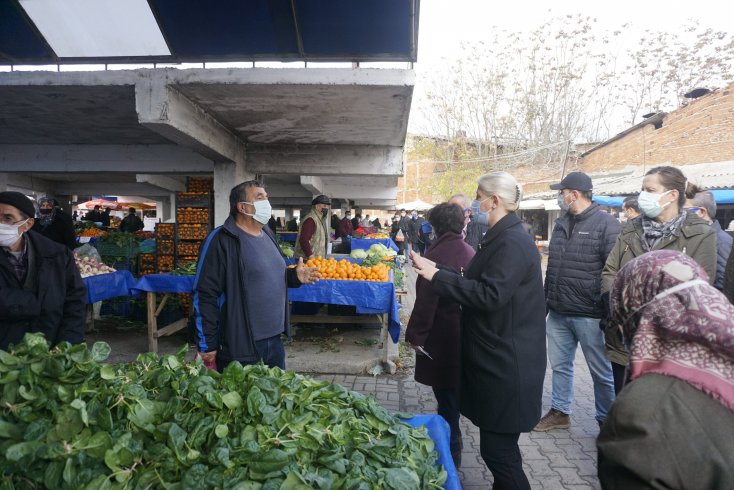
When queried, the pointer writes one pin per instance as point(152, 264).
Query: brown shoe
point(554, 419)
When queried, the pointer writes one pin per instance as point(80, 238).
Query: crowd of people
point(646, 300)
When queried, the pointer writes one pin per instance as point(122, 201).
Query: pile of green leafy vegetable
point(120, 239)
point(185, 270)
point(70, 421)
point(397, 269)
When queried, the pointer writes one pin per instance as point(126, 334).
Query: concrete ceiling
point(344, 128)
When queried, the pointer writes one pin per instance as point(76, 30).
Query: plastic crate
point(183, 261)
point(194, 199)
point(199, 184)
point(193, 215)
point(164, 247)
point(165, 263)
point(188, 248)
point(165, 231)
point(111, 250)
point(146, 261)
point(192, 232)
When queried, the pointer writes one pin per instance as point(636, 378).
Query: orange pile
point(347, 271)
point(93, 232)
point(377, 235)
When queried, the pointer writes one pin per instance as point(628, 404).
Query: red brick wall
point(701, 132)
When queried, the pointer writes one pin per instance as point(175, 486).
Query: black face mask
point(45, 211)
point(324, 212)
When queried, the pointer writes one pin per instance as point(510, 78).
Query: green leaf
point(399, 478)
point(52, 474)
point(8, 430)
point(21, 450)
point(69, 472)
point(294, 482)
point(98, 444)
point(107, 372)
point(221, 431)
point(101, 351)
point(232, 400)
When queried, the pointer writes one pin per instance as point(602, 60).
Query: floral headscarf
point(675, 323)
point(45, 219)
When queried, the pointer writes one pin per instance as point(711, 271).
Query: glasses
point(10, 220)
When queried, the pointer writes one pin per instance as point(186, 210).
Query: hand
point(307, 275)
point(417, 259)
point(423, 267)
point(208, 357)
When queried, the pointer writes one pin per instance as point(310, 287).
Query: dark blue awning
point(224, 30)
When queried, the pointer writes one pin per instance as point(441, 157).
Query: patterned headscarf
point(675, 323)
point(45, 219)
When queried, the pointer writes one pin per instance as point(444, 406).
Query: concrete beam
point(354, 192)
point(313, 184)
point(30, 183)
point(287, 190)
point(329, 160)
point(161, 181)
point(168, 112)
point(375, 203)
point(110, 189)
point(102, 158)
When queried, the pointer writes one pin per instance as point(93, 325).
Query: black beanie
point(20, 201)
point(321, 199)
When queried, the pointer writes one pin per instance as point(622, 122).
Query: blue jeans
point(564, 333)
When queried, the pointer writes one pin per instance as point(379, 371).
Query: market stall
point(166, 285)
point(287, 236)
point(366, 243)
point(106, 286)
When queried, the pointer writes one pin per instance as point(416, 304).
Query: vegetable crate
point(165, 263)
point(194, 199)
point(146, 264)
point(188, 248)
point(164, 247)
point(199, 184)
point(193, 215)
point(165, 231)
point(112, 250)
point(193, 232)
point(183, 261)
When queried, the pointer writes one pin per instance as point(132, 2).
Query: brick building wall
point(700, 132)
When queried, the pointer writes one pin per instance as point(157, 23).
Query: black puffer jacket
point(51, 301)
point(573, 278)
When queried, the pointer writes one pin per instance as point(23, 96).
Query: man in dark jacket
point(131, 223)
point(704, 205)
point(54, 224)
point(582, 238)
point(40, 286)
point(416, 222)
point(94, 215)
point(241, 285)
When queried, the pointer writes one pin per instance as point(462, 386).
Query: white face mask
point(650, 203)
point(263, 211)
point(10, 234)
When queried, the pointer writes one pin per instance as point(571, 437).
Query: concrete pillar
point(164, 211)
point(3, 182)
point(288, 214)
point(226, 176)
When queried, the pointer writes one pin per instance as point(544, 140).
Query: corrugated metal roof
point(627, 181)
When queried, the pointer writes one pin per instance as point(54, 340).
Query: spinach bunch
point(68, 420)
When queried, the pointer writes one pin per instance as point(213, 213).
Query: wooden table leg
point(90, 317)
point(152, 323)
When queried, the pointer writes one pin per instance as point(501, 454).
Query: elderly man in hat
point(54, 224)
point(313, 237)
point(40, 286)
point(582, 238)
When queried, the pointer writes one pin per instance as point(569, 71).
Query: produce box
point(111, 249)
point(193, 199)
point(165, 231)
point(192, 215)
point(146, 261)
point(184, 261)
point(188, 247)
point(193, 232)
point(199, 184)
point(164, 247)
point(165, 263)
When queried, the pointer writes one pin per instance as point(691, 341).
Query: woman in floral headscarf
point(672, 426)
point(54, 224)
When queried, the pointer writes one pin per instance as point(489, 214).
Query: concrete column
point(163, 210)
point(288, 214)
point(3, 182)
point(226, 176)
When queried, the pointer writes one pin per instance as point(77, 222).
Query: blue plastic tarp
point(106, 286)
point(164, 283)
point(368, 297)
point(611, 201)
point(287, 236)
point(439, 431)
point(723, 196)
point(366, 243)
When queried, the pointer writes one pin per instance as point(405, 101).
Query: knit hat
point(20, 201)
point(321, 199)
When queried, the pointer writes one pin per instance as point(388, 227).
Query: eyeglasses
point(10, 221)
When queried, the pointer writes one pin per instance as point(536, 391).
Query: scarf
point(45, 219)
point(654, 232)
point(675, 323)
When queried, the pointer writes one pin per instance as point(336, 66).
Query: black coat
point(503, 329)
point(131, 223)
point(435, 323)
point(576, 259)
point(54, 306)
point(220, 297)
point(60, 230)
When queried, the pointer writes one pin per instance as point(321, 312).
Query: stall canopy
point(173, 31)
point(417, 205)
point(115, 205)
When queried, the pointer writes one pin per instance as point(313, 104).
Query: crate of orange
point(344, 270)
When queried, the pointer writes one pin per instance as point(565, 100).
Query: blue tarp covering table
point(106, 286)
point(366, 243)
point(287, 236)
point(368, 297)
point(166, 284)
point(439, 431)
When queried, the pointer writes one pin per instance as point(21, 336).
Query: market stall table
point(375, 302)
point(105, 286)
point(152, 285)
point(287, 236)
point(366, 243)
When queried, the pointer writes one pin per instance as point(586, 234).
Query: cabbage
point(378, 249)
point(358, 253)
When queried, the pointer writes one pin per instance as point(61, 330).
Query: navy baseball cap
point(577, 181)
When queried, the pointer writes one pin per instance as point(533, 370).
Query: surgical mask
point(349, 216)
point(563, 204)
point(402, 214)
point(650, 203)
point(661, 295)
point(10, 234)
point(476, 210)
point(263, 211)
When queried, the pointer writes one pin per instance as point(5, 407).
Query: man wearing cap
point(582, 238)
point(40, 286)
point(313, 237)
